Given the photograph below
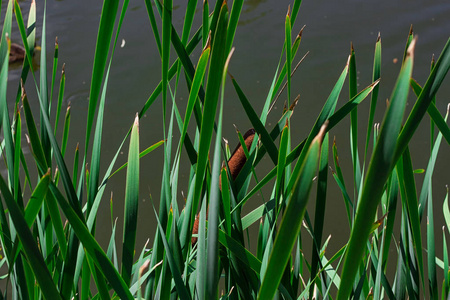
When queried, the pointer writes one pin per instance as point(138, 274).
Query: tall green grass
point(49, 204)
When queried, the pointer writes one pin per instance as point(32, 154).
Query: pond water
point(330, 28)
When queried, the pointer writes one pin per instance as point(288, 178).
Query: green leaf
point(430, 89)
point(141, 155)
point(131, 204)
point(287, 29)
point(195, 87)
point(445, 285)
point(256, 123)
point(211, 98)
point(432, 280)
point(319, 212)
point(325, 114)
point(292, 220)
point(30, 247)
point(4, 114)
point(91, 246)
point(33, 135)
point(104, 37)
point(181, 288)
point(352, 78)
point(435, 116)
point(413, 207)
point(381, 164)
point(36, 199)
point(241, 252)
point(374, 99)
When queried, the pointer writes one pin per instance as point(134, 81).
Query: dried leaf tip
point(208, 42)
point(227, 62)
point(288, 15)
point(291, 108)
point(352, 49)
point(136, 120)
point(24, 93)
point(237, 129)
point(411, 30)
point(448, 108)
point(299, 35)
point(144, 268)
point(412, 45)
point(63, 69)
point(376, 82)
point(379, 37)
point(56, 42)
point(321, 134)
point(376, 126)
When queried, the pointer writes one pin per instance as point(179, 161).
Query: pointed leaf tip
point(299, 35)
point(136, 120)
point(208, 42)
point(412, 45)
point(227, 62)
point(321, 134)
point(348, 60)
point(375, 82)
point(291, 108)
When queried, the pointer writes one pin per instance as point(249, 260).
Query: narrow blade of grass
point(30, 247)
point(181, 288)
point(218, 56)
point(131, 204)
point(319, 212)
point(352, 78)
point(325, 114)
point(376, 74)
point(430, 89)
point(104, 38)
point(380, 166)
point(291, 221)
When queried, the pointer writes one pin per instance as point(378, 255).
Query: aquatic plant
point(48, 209)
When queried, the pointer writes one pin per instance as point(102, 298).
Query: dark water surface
point(330, 27)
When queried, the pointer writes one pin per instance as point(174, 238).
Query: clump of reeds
point(48, 221)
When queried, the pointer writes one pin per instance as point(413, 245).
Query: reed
point(49, 205)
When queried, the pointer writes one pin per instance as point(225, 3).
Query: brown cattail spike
point(235, 164)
